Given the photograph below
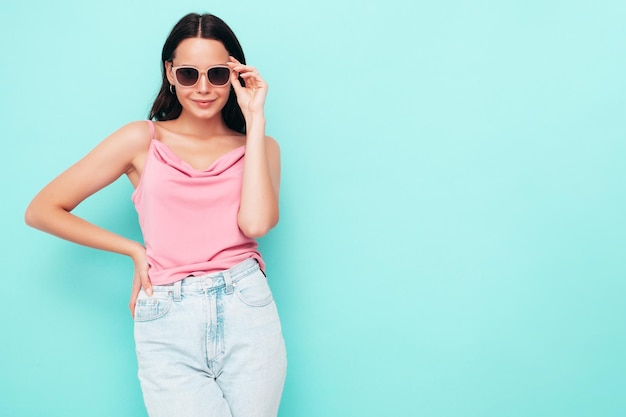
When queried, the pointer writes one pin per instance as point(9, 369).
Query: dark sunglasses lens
point(187, 76)
point(219, 75)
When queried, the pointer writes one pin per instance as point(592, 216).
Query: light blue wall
point(452, 240)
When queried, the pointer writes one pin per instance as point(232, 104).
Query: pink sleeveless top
point(189, 217)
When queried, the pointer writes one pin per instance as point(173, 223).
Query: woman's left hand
point(251, 97)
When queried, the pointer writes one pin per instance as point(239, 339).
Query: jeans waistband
point(202, 283)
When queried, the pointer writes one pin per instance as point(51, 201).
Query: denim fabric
point(211, 346)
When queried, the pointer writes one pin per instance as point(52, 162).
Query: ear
point(168, 71)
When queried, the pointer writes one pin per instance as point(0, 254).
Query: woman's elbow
point(257, 229)
point(36, 215)
point(30, 216)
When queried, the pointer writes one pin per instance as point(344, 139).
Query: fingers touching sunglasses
point(188, 76)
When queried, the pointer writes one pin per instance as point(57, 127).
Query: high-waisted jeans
point(211, 346)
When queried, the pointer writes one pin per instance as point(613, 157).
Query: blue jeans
point(211, 346)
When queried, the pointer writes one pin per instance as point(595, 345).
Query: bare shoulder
point(135, 135)
point(110, 159)
point(273, 157)
point(272, 145)
point(129, 143)
point(117, 154)
point(272, 148)
point(121, 147)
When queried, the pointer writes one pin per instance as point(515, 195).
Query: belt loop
point(178, 290)
point(228, 281)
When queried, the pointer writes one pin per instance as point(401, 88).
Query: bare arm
point(50, 210)
point(258, 211)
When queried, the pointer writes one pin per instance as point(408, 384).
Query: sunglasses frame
point(205, 72)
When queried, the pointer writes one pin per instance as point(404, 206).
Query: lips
point(203, 103)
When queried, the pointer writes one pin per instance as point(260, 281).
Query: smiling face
point(202, 100)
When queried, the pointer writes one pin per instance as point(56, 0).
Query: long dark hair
point(166, 106)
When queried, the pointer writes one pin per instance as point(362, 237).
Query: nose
point(203, 83)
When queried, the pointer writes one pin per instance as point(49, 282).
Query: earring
point(172, 89)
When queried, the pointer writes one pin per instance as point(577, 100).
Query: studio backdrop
point(452, 233)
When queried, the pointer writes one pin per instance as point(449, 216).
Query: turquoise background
point(452, 236)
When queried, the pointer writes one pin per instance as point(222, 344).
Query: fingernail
point(149, 292)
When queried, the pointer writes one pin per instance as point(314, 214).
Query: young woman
point(206, 180)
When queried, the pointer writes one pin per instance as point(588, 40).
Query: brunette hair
point(166, 105)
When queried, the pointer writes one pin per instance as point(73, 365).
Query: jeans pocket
point(152, 308)
point(254, 290)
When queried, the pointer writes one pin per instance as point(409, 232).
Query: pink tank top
point(189, 217)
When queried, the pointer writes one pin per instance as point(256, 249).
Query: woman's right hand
point(140, 278)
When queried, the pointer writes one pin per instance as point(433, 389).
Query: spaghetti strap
point(151, 124)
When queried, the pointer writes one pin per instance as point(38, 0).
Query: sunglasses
point(188, 76)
